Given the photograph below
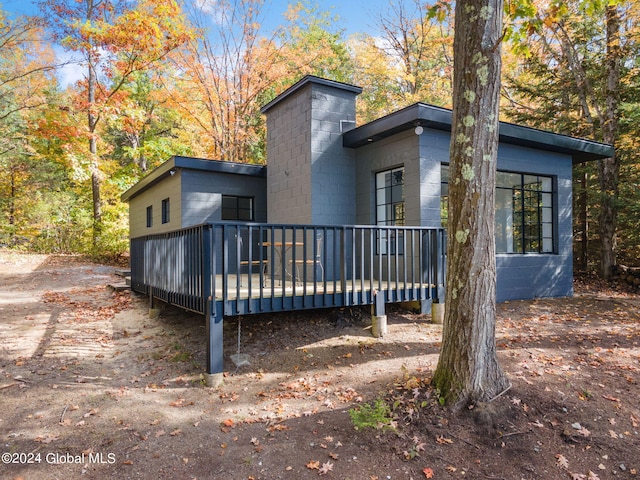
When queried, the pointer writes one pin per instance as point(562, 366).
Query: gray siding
point(310, 176)
point(333, 170)
point(434, 148)
point(421, 157)
point(518, 276)
point(396, 151)
point(195, 197)
point(202, 195)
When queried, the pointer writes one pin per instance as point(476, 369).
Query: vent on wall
point(346, 125)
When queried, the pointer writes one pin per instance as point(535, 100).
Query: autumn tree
point(468, 369)
point(25, 61)
point(147, 128)
point(115, 38)
point(575, 80)
point(234, 67)
point(310, 44)
point(56, 200)
point(410, 61)
point(26, 75)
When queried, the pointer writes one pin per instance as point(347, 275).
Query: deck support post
point(154, 312)
point(437, 312)
point(215, 345)
point(378, 315)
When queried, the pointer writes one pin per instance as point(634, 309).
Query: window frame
point(149, 216)
point(237, 209)
point(166, 210)
point(544, 212)
point(390, 242)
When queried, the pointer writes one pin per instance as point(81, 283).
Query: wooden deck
point(229, 269)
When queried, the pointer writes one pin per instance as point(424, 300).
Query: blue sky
point(355, 15)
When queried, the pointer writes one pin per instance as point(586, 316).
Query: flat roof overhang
point(190, 163)
point(429, 116)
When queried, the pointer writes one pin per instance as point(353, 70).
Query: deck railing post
point(215, 344)
point(213, 310)
point(437, 263)
point(343, 267)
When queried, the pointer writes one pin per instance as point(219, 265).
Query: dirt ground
point(92, 387)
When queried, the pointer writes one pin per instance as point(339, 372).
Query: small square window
point(237, 208)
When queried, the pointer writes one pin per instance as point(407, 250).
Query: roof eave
point(308, 80)
point(437, 118)
point(155, 176)
point(190, 163)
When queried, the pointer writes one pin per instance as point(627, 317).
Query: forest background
point(161, 78)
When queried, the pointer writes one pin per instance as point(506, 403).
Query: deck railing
point(253, 268)
point(228, 269)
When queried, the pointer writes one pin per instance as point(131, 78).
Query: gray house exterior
point(193, 190)
point(323, 170)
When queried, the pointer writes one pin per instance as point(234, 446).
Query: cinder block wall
point(289, 160)
point(310, 175)
point(333, 167)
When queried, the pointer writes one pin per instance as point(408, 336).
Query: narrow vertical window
point(166, 210)
point(390, 208)
point(149, 216)
point(444, 196)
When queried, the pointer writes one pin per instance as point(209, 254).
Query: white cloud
point(207, 6)
point(212, 10)
point(73, 68)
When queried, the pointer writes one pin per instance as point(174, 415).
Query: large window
point(524, 212)
point(390, 207)
point(390, 197)
point(237, 208)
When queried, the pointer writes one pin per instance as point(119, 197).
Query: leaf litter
point(123, 375)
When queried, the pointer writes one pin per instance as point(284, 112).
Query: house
point(324, 170)
point(186, 191)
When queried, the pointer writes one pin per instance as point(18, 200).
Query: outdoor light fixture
point(419, 130)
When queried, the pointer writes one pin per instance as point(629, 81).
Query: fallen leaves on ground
point(326, 468)
point(562, 461)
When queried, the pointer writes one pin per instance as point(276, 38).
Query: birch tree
point(468, 370)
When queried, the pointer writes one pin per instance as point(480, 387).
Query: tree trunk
point(468, 368)
point(609, 168)
point(12, 200)
point(583, 205)
point(96, 178)
point(92, 124)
